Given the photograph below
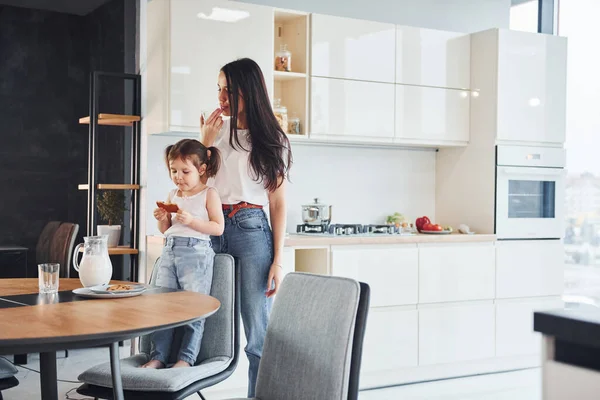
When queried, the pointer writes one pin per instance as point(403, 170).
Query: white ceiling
point(77, 7)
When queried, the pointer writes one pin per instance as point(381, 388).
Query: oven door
point(529, 203)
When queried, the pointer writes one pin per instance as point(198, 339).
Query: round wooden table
point(31, 322)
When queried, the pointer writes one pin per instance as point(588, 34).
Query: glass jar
point(283, 59)
point(294, 124)
point(281, 114)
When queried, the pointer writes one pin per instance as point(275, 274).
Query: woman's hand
point(184, 217)
point(211, 127)
point(161, 215)
point(274, 280)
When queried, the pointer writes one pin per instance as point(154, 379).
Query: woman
point(256, 160)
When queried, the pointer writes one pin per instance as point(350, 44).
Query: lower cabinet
point(529, 268)
point(514, 325)
point(453, 333)
point(456, 272)
point(391, 340)
point(390, 271)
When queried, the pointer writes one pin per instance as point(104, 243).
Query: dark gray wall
point(46, 62)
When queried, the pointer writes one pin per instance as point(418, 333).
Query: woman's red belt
point(237, 207)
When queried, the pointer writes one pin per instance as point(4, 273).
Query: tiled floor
point(518, 385)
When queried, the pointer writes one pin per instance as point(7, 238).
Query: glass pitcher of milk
point(95, 267)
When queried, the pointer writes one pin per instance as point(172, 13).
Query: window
point(533, 16)
point(577, 20)
point(524, 15)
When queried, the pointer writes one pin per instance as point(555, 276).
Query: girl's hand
point(160, 214)
point(211, 127)
point(274, 280)
point(184, 217)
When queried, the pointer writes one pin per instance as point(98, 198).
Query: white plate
point(86, 292)
point(136, 287)
point(437, 232)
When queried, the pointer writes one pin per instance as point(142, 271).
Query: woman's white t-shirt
point(195, 205)
point(235, 180)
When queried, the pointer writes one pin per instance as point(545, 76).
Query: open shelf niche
point(292, 29)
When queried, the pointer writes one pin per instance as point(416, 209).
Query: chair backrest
point(61, 247)
point(221, 330)
point(357, 344)
point(42, 249)
point(310, 349)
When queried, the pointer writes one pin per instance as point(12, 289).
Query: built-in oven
point(530, 192)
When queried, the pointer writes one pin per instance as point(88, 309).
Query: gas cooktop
point(352, 230)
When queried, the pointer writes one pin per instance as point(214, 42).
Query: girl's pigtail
point(213, 162)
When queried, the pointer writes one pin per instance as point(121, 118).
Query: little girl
point(187, 258)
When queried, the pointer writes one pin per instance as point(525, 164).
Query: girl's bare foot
point(180, 364)
point(154, 364)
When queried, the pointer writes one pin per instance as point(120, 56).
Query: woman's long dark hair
point(270, 155)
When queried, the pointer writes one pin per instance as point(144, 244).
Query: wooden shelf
point(121, 250)
point(288, 76)
point(109, 186)
point(112, 119)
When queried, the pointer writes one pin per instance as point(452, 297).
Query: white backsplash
point(362, 184)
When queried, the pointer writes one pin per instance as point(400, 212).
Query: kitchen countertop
point(294, 240)
point(579, 325)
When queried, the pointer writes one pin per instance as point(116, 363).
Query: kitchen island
point(571, 352)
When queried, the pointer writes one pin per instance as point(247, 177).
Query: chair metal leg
point(115, 369)
point(20, 359)
point(1, 398)
point(199, 394)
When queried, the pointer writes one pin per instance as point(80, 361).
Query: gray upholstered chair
point(313, 347)
point(7, 376)
point(217, 360)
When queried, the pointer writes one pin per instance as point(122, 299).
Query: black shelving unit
point(96, 119)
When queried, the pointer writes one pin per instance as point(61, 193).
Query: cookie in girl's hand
point(168, 207)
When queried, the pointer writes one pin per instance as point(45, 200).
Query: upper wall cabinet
point(533, 106)
point(188, 43)
point(353, 49)
point(520, 79)
point(352, 110)
point(430, 57)
point(432, 116)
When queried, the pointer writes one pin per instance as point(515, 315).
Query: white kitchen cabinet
point(390, 271)
point(432, 115)
point(391, 340)
point(528, 268)
point(520, 78)
point(188, 43)
point(288, 260)
point(514, 325)
point(355, 110)
point(430, 57)
point(532, 72)
point(353, 49)
point(456, 272)
point(453, 333)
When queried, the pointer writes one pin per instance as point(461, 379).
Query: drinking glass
point(48, 277)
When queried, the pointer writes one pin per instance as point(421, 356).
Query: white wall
point(363, 185)
point(451, 15)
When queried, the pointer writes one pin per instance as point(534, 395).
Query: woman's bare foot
point(180, 364)
point(155, 364)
